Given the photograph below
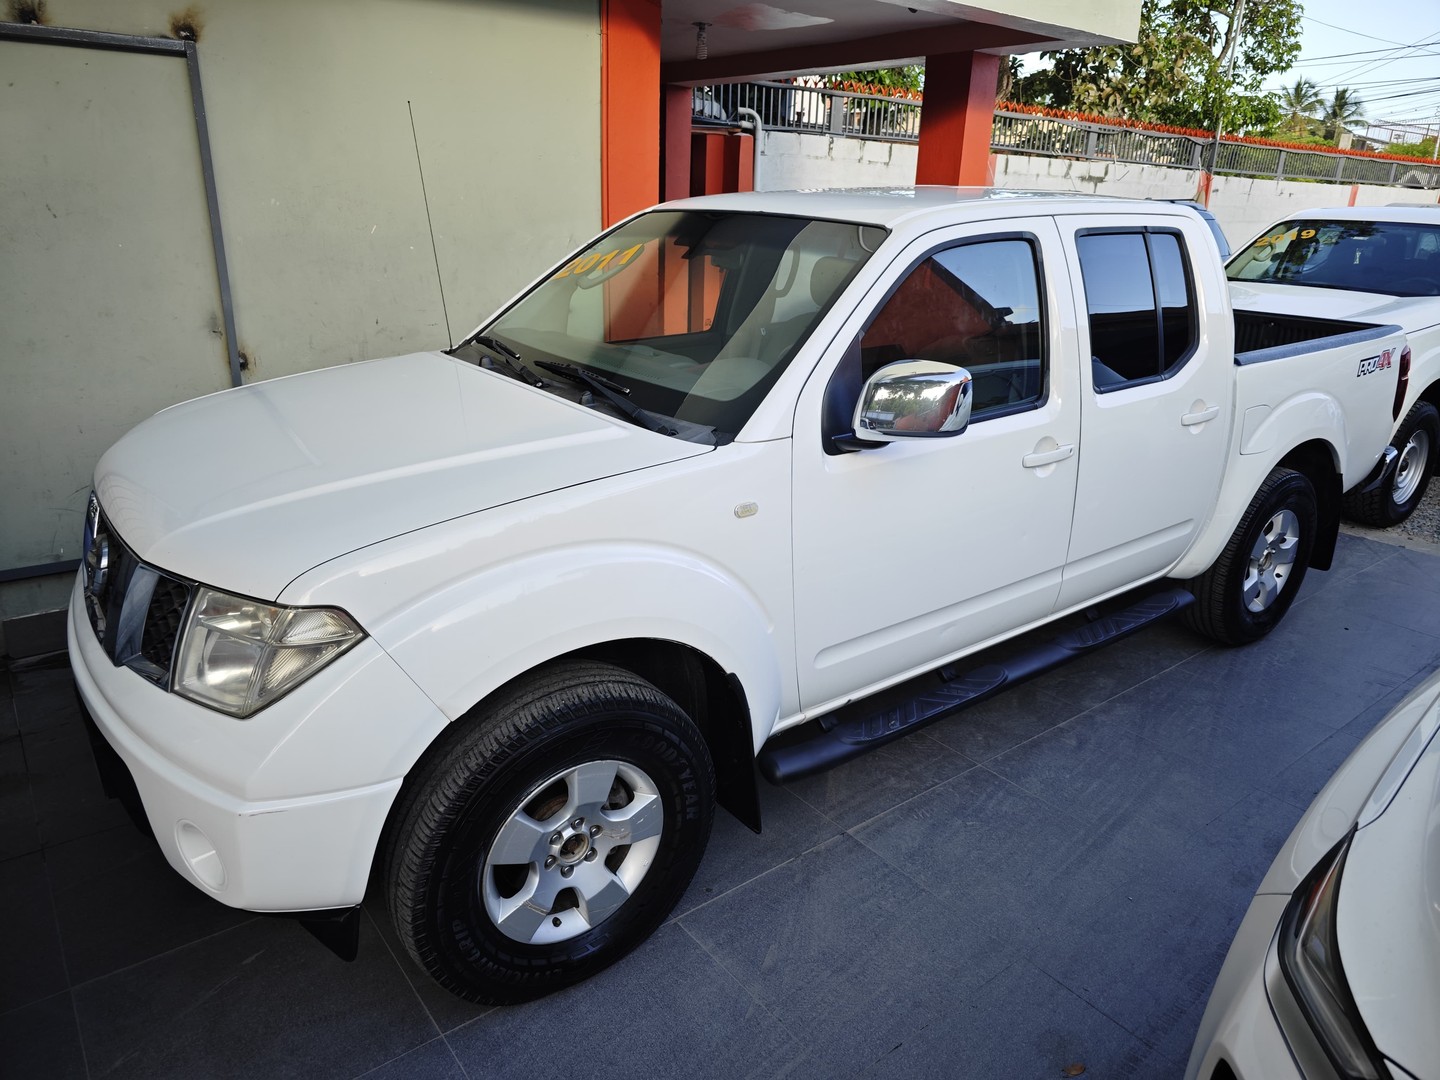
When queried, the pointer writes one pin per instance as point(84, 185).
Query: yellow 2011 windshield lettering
point(598, 262)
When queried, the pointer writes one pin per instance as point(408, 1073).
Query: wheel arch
point(712, 697)
point(1318, 461)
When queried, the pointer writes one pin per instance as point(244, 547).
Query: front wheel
point(547, 837)
point(1416, 440)
point(1248, 589)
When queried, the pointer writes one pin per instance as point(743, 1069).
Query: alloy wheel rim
point(1411, 470)
point(1272, 558)
point(572, 852)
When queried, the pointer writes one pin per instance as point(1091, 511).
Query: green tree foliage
point(1300, 103)
point(1341, 111)
point(1175, 73)
point(909, 77)
point(1423, 149)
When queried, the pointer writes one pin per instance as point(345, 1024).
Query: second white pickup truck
point(1379, 264)
point(505, 623)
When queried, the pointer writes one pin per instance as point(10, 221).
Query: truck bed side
point(1331, 382)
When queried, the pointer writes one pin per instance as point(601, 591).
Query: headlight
point(238, 655)
point(1310, 958)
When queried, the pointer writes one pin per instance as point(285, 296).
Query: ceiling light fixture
point(702, 42)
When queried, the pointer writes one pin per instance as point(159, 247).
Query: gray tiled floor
point(1047, 882)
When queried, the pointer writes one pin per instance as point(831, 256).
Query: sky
point(1387, 51)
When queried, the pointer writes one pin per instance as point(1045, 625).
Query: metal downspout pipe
point(759, 126)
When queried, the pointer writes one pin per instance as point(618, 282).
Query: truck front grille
point(135, 609)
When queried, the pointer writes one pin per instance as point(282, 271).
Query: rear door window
point(1141, 305)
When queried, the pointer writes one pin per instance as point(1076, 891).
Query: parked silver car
point(1335, 970)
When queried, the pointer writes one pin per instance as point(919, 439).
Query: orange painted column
point(675, 161)
point(956, 119)
point(721, 161)
point(629, 107)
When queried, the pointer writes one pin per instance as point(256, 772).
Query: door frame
point(157, 46)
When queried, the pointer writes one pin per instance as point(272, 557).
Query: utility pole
point(1227, 55)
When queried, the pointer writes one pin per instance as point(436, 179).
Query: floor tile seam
point(1040, 967)
point(60, 943)
point(31, 1004)
point(754, 877)
point(1386, 619)
point(1328, 733)
point(729, 974)
point(1036, 795)
point(75, 1014)
point(909, 799)
point(405, 974)
point(456, 1057)
point(921, 733)
point(989, 762)
point(85, 984)
point(397, 1057)
point(1141, 1039)
point(79, 1032)
point(1249, 792)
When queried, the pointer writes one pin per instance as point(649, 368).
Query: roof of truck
point(1423, 213)
point(888, 206)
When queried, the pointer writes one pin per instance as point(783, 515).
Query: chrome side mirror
point(914, 399)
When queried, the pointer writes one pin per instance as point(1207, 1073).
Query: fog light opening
point(200, 855)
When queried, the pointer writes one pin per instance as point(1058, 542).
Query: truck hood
point(249, 488)
point(1411, 313)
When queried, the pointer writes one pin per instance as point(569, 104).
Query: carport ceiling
point(801, 36)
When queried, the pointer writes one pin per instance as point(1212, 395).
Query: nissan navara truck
point(735, 490)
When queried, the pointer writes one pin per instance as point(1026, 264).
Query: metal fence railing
point(821, 111)
point(812, 109)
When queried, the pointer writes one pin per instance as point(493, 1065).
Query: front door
point(909, 553)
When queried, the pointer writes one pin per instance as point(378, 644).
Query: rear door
point(1156, 402)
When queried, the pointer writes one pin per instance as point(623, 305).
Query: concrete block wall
point(1242, 205)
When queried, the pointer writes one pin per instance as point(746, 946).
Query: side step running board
point(830, 740)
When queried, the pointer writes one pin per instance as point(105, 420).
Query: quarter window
point(1141, 306)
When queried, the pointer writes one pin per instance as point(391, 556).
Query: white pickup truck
point(506, 622)
point(1376, 263)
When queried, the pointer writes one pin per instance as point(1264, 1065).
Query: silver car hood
point(1388, 919)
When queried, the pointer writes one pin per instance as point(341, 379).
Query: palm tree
point(1343, 108)
point(1300, 103)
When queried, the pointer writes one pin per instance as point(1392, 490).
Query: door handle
point(1048, 457)
point(1191, 419)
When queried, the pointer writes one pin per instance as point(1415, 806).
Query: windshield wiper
point(507, 358)
point(611, 392)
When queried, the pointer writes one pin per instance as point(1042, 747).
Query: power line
point(1356, 33)
point(1381, 62)
point(1340, 58)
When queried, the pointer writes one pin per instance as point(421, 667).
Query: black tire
point(1227, 595)
point(535, 755)
point(1417, 441)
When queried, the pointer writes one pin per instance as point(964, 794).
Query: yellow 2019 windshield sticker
point(1280, 238)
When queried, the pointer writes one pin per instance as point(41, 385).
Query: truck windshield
point(1389, 257)
point(691, 315)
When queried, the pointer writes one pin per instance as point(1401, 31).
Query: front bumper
point(281, 812)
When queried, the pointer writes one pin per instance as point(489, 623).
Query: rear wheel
point(1248, 589)
point(1416, 441)
point(547, 838)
